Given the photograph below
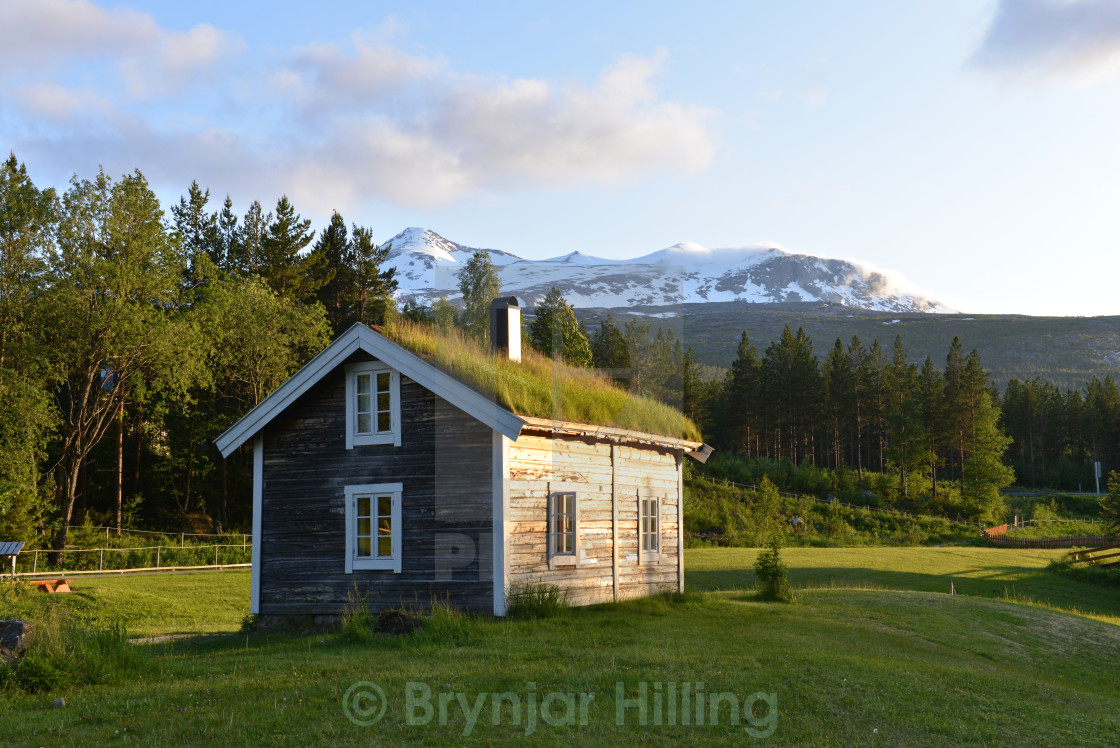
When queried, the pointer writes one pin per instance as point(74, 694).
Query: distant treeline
point(1059, 435)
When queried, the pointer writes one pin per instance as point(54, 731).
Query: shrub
point(773, 574)
point(445, 624)
point(357, 620)
point(535, 600)
point(248, 623)
point(64, 653)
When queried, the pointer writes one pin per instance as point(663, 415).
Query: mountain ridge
point(427, 265)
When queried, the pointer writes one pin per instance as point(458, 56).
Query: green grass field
point(873, 653)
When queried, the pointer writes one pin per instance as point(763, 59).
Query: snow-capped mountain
point(427, 267)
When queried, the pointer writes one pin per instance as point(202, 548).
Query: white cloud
point(1078, 40)
point(41, 37)
point(409, 130)
point(334, 125)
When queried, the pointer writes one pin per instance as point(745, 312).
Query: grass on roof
point(538, 386)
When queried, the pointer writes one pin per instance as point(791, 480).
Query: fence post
point(35, 562)
point(215, 555)
point(157, 556)
point(101, 558)
point(180, 540)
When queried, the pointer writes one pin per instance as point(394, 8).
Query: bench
point(51, 585)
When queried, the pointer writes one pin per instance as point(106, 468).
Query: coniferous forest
point(132, 335)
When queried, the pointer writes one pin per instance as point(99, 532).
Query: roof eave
point(361, 337)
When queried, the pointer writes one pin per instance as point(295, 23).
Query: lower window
point(373, 527)
point(563, 528)
point(649, 527)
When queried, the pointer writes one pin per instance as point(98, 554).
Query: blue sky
point(972, 146)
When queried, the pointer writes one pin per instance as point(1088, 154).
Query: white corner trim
point(258, 501)
point(500, 490)
point(361, 337)
point(680, 523)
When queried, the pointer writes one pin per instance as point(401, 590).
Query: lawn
point(148, 604)
point(874, 653)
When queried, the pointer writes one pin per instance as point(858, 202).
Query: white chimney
point(505, 326)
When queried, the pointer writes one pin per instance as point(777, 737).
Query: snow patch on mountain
point(428, 265)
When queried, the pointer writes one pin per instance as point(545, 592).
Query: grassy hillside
point(867, 656)
point(1064, 350)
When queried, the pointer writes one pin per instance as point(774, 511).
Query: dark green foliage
point(480, 284)
point(609, 352)
point(718, 512)
point(1110, 505)
point(557, 333)
point(772, 574)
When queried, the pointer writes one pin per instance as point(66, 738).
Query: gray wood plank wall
point(444, 462)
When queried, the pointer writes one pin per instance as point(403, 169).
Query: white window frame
point(556, 560)
point(353, 561)
point(393, 435)
point(651, 555)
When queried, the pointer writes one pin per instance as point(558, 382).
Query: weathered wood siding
point(444, 464)
point(535, 461)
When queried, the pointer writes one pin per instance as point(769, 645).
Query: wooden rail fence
point(1068, 541)
point(1093, 555)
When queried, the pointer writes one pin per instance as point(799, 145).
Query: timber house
point(382, 466)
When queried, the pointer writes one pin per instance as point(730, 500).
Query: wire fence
point(153, 557)
point(181, 535)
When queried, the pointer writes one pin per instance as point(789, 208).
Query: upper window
point(649, 527)
point(373, 527)
point(563, 529)
point(373, 404)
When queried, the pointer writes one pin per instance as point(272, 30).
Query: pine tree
point(983, 473)
point(371, 288)
point(480, 284)
point(609, 351)
point(284, 269)
point(556, 332)
point(197, 233)
point(331, 260)
point(252, 259)
point(229, 237)
point(740, 400)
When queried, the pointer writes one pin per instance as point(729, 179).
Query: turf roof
point(537, 385)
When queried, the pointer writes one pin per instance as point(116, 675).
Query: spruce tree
point(284, 269)
point(556, 332)
point(480, 284)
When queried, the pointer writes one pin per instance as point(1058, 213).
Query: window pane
point(363, 547)
point(365, 424)
point(563, 541)
point(363, 506)
point(384, 546)
point(568, 502)
point(383, 381)
point(364, 527)
point(363, 383)
point(383, 401)
point(384, 506)
point(384, 526)
point(383, 422)
point(364, 403)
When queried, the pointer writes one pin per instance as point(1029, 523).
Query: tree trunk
point(117, 500)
